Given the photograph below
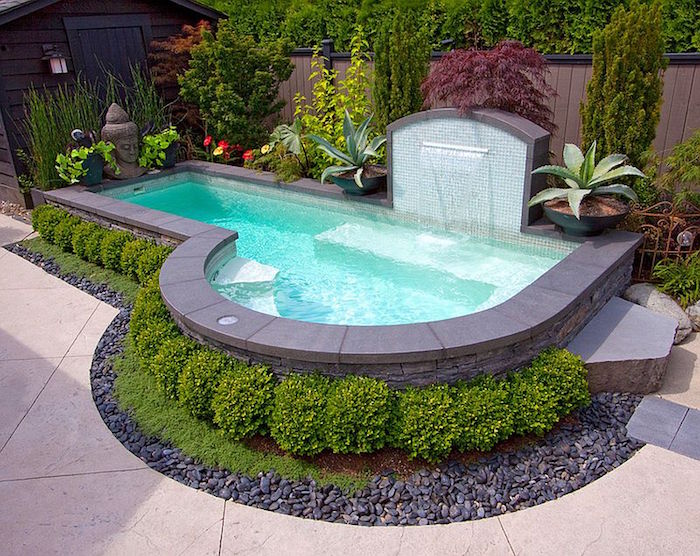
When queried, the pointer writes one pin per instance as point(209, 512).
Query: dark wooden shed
point(88, 35)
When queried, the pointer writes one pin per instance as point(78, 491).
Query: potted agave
point(588, 205)
point(354, 175)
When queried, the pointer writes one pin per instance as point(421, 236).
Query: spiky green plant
point(584, 177)
point(357, 152)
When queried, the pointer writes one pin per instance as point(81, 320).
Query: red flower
point(223, 144)
point(207, 140)
point(237, 147)
point(248, 155)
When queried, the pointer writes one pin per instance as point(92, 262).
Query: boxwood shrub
point(482, 414)
point(358, 411)
point(63, 233)
point(150, 261)
point(168, 363)
point(243, 401)
point(111, 249)
point(81, 233)
point(298, 422)
point(45, 218)
point(131, 253)
point(565, 375)
point(199, 380)
point(426, 424)
point(532, 404)
point(93, 245)
point(150, 337)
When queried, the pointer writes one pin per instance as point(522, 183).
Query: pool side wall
point(548, 312)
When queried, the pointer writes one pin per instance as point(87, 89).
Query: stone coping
point(197, 307)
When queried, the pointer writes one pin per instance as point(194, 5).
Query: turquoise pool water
point(314, 261)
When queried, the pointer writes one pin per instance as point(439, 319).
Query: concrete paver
point(687, 439)
point(12, 230)
point(647, 506)
point(682, 382)
point(656, 421)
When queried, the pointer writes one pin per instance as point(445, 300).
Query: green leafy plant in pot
point(354, 175)
point(588, 205)
point(159, 150)
point(85, 163)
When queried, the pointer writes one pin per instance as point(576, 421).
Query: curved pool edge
point(550, 311)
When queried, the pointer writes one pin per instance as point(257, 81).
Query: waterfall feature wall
point(468, 173)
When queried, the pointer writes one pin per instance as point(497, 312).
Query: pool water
point(314, 261)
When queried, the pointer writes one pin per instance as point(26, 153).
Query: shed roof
point(14, 9)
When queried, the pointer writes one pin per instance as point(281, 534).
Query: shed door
point(113, 43)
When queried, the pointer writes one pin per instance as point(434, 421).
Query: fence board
point(680, 111)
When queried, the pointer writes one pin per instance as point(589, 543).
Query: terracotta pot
point(369, 184)
point(586, 225)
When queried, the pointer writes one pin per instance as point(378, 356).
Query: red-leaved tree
point(510, 77)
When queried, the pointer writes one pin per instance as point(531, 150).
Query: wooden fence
point(568, 75)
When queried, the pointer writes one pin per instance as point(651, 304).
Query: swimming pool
point(321, 261)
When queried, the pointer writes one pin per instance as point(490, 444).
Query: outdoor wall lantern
point(57, 60)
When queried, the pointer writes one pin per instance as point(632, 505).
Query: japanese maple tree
point(510, 77)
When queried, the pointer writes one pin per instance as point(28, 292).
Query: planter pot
point(586, 225)
point(171, 155)
point(94, 166)
point(370, 183)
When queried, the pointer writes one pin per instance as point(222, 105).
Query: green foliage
point(297, 421)
point(565, 375)
point(168, 363)
point(45, 218)
point(243, 401)
point(131, 253)
point(683, 166)
point(426, 424)
point(93, 245)
point(63, 233)
point(71, 167)
point(540, 23)
point(357, 151)
point(401, 62)
point(148, 307)
point(584, 177)
point(150, 261)
point(81, 234)
point(112, 247)
point(681, 25)
point(235, 81)
point(278, 160)
point(357, 415)
point(482, 413)
point(324, 115)
point(680, 278)
point(533, 405)
point(154, 147)
point(625, 93)
point(199, 380)
point(151, 337)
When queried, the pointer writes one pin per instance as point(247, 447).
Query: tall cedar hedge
point(625, 93)
point(402, 59)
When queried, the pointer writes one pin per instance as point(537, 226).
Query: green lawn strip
point(163, 418)
point(72, 264)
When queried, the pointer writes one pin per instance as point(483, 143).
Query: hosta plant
point(584, 177)
point(358, 151)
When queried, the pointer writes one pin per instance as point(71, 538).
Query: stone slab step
point(626, 348)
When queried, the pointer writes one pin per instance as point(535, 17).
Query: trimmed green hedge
point(307, 414)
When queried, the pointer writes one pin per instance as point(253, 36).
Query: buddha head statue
point(124, 135)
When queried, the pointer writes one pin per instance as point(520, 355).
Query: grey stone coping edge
point(197, 306)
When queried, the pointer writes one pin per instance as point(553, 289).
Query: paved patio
point(68, 486)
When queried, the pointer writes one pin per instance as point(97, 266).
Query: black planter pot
point(94, 166)
point(585, 226)
point(369, 185)
point(171, 155)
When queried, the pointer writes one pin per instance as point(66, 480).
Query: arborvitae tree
point(625, 92)
point(402, 58)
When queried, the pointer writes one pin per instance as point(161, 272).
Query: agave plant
point(358, 151)
point(585, 178)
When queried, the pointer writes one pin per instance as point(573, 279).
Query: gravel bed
point(575, 454)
